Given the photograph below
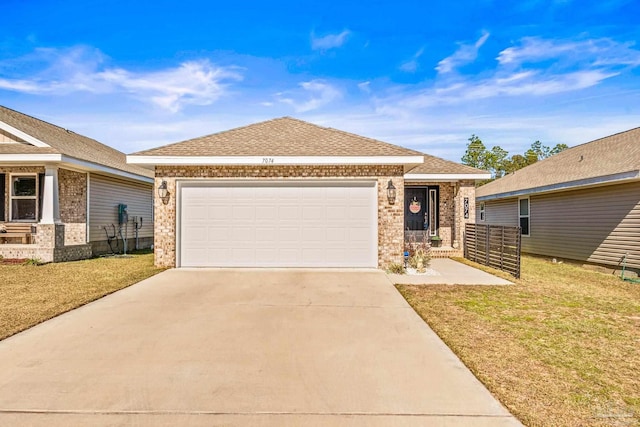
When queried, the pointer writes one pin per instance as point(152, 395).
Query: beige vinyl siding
point(596, 225)
point(106, 193)
point(499, 212)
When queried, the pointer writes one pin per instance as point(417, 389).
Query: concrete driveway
point(242, 347)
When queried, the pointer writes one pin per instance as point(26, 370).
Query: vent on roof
point(581, 158)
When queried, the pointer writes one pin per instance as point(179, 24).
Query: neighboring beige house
point(581, 204)
point(287, 193)
point(60, 190)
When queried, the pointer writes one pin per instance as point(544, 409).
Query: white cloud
point(316, 94)
point(465, 54)
point(411, 66)
point(329, 41)
point(602, 51)
point(82, 69)
point(365, 86)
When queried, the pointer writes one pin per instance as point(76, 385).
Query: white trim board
point(273, 160)
point(444, 176)
point(70, 162)
point(565, 186)
point(26, 137)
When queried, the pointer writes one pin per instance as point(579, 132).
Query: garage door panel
point(279, 225)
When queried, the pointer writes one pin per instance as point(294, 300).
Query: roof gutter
point(95, 167)
point(563, 186)
point(39, 159)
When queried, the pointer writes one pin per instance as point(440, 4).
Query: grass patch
point(30, 294)
point(560, 347)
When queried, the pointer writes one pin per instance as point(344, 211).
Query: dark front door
point(415, 206)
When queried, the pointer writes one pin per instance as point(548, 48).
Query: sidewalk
point(450, 272)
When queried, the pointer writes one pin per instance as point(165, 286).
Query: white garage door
point(310, 224)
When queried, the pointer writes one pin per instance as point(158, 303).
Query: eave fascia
point(272, 160)
point(448, 177)
point(96, 167)
point(566, 186)
point(30, 158)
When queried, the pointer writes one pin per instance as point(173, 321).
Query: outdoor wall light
point(391, 192)
point(163, 192)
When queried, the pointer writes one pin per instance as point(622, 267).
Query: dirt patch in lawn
point(560, 347)
point(30, 294)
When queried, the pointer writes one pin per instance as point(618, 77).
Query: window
point(523, 214)
point(482, 211)
point(24, 197)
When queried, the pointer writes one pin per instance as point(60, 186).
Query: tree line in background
point(497, 160)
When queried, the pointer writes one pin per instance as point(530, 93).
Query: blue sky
point(421, 74)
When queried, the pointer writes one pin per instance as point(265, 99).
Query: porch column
point(50, 198)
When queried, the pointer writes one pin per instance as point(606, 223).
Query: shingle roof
point(63, 141)
point(436, 165)
point(285, 136)
point(612, 155)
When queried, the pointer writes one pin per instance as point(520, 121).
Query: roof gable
point(46, 138)
point(606, 159)
point(285, 136)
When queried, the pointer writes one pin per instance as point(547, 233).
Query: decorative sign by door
point(466, 208)
point(415, 206)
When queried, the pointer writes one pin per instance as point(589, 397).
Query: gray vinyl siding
point(596, 225)
point(499, 212)
point(105, 193)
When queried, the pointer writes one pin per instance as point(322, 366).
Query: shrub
point(396, 268)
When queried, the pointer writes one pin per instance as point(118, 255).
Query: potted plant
point(436, 241)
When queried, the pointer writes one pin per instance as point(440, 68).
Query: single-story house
point(61, 194)
point(581, 204)
point(287, 193)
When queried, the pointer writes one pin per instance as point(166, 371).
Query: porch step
point(445, 252)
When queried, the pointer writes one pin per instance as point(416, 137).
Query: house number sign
point(466, 208)
point(267, 160)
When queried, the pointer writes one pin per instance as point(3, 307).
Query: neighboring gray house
point(59, 190)
point(581, 204)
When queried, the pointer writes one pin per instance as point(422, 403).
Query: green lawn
point(30, 294)
point(559, 348)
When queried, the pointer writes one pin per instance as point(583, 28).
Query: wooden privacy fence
point(497, 246)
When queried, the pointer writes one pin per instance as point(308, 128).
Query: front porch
point(436, 211)
point(45, 243)
point(31, 224)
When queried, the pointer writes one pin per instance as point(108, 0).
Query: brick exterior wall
point(390, 217)
point(72, 189)
point(465, 189)
point(48, 246)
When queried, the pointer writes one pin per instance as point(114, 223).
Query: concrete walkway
point(242, 347)
point(450, 272)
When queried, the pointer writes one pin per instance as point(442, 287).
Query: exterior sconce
point(391, 193)
point(163, 192)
